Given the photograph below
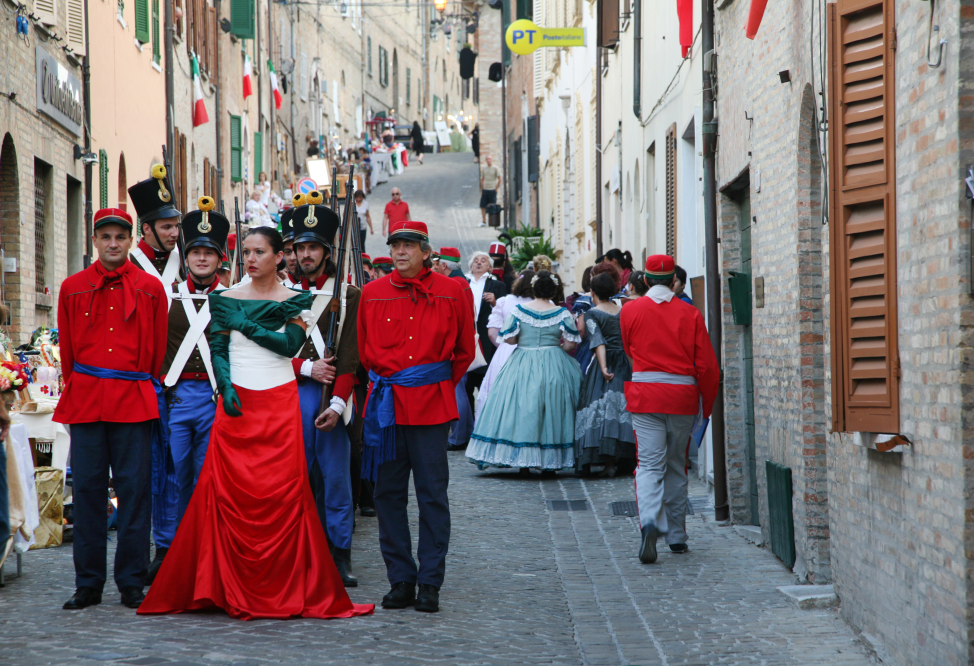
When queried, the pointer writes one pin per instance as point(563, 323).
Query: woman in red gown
point(251, 542)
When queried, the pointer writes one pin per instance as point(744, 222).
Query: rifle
point(238, 228)
point(180, 243)
point(338, 293)
point(357, 268)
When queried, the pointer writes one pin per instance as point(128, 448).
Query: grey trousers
point(661, 478)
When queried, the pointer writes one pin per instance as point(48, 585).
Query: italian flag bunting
point(248, 86)
point(199, 109)
point(277, 91)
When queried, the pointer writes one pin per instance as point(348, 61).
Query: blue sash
point(380, 411)
point(160, 434)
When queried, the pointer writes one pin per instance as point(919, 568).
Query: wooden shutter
point(190, 18)
point(865, 358)
point(213, 53)
point(608, 29)
point(236, 149)
point(142, 21)
point(76, 26)
point(183, 190)
point(102, 178)
point(207, 185)
point(258, 155)
point(242, 18)
point(156, 47)
point(46, 11)
point(671, 191)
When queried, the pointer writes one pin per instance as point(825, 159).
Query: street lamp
point(440, 5)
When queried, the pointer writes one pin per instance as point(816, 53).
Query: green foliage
point(532, 248)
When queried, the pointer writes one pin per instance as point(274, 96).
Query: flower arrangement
point(12, 377)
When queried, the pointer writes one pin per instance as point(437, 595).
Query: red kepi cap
point(416, 231)
point(497, 249)
point(660, 266)
point(450, 254)
point(112, 216)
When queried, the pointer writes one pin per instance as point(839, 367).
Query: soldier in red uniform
point(416, 339)
point(112, 321)
point(674, 383)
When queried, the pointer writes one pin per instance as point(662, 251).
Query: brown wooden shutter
point(207, 189)
point(865, 359)
point(671, 191)
point(608, 29)
point(183, 193)
point(212, 44)
point(190, 24)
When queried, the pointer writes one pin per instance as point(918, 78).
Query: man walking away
point(490, 181)
point(396, 211)
point(674, 382)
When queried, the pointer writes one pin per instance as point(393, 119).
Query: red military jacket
point(668, 337)
point(401, 325)
point(93, 330)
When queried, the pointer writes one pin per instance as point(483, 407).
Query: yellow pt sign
point(524, 37)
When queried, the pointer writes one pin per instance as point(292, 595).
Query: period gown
point(603, 427)
point(529, 417)
point(251, 542)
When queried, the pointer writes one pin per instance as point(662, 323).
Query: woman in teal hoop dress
point(529, 418)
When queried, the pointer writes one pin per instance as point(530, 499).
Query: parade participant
point(502, 270)
point(449, 265)
point(159, 222)
point(367, 267)
point(250, 542)
point(224, 272)
point(112, 322)
point(293, 275)
point(187, 371)
point(382, 266)
point(328, 444)
point(674, 381)
point(414, 373)
point(157, 256)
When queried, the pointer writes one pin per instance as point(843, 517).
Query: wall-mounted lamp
point(785, 75)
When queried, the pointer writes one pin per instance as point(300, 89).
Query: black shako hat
point(315, 223)
point(205, 227)
point(153, 198)
point(287, 229)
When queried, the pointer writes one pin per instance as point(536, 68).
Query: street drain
point(624, 509)
point(567, 505)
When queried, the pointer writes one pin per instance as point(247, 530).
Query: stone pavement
point(525, 585)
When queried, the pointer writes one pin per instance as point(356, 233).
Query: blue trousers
point(191, 413)
point(332, 450)
point(165, 496)
point(463, 428)
point(422, 450)
point(126, 449)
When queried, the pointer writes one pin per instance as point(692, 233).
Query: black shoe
point(456, 447)
point(343, 562)
point(367, 511)
point(428, 600)
point(155, 565)
point(83, 597)
point(400, 596)
point(678, 547)
point(132, 597)
point(647, 549)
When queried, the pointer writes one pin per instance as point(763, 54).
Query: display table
point(41, 426)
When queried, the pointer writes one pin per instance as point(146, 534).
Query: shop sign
point(524, 37)
point(58, 92)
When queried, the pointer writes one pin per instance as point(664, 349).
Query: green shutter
point(242, 18)
point(370, 55)
point(103, 178)
point(142, 21)
point(525, 8)
point(156, 51)
point(507, 21)
point(236, 150)
point(409, 85)
point(258, 155)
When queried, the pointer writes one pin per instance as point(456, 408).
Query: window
point(608, 28)
point(258, 155)
point(76, 26)
point(383, 67)
point(304, 76)
point(236, 149)
point(369, 52)
point(242, 18)
point(671, 190)
point(409, 86)
point(865, 362)
point(42, 199)
point(142, 21)
point(102, 178)
point(156, 51)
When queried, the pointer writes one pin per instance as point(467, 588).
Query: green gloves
point(220, 357)
point(286, 344)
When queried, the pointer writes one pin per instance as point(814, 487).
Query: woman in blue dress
point(529, 418)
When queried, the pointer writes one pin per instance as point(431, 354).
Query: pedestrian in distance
point(529, 418)
point(418, 141)
point(490, 182)
point(112, 323)
point(251, 542)
point(416, 339)
point(364, 216)
point(475, 142)
point(622, 261)
point(603, 428)
point(674, 383)
point(396, 211)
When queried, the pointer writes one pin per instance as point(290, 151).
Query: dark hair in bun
point(544, 285)
point(273, 236)
point(522, 286)
point(604, 286)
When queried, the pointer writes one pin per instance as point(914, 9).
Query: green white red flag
point(248, 85)
point(277, 91)
point(199, 108)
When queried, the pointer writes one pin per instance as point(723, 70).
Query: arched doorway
point(9, 207)
point(395, 80)
point(123, 192)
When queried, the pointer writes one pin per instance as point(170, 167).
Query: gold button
point(111, 329)
point(410, 337)
point(410, 319)
point(111, 350)
point(410, 358)
point(111, 289)
point(111, 308)
point(388, 320)
point(86, 314)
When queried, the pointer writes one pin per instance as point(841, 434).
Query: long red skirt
point(251, 542)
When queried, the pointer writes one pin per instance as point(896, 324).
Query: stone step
point(809, 597)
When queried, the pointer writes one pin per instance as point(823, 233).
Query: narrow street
point(527, 581)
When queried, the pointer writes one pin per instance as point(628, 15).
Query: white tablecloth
point(381, 167)
point(20, 447)
point(43, 427)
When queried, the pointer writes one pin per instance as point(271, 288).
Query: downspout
point(637, 58)
point(89, 211)
point(260, 91)
point(507, 176)
point(170, 84)
point(714, 305)
point(219, 118)
point(598, 155)
point(293, 166)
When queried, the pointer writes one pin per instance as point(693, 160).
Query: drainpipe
point(714, 307)
point(219, 118)
point(637, 58)
point(86, 78)
point(598, 155)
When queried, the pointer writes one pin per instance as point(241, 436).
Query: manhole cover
point(567, 505)
point(624, 509)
